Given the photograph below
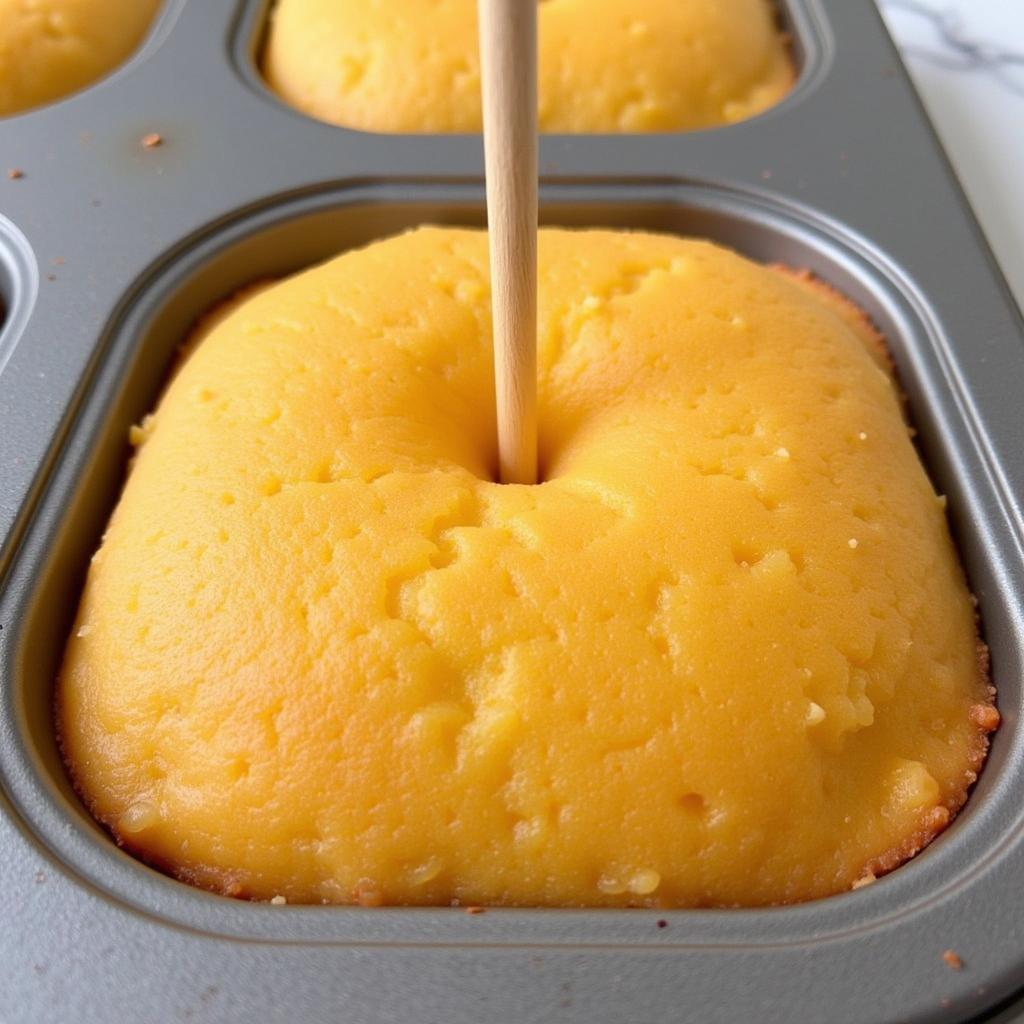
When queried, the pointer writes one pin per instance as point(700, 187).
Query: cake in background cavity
point(52, 48)
point(604, 65)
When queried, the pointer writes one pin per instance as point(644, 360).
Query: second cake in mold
point(604, 65)
point(52, 48)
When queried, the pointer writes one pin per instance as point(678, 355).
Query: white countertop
point(967, 60)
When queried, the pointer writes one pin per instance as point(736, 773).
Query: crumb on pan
point(368, 894)
point(952, 960)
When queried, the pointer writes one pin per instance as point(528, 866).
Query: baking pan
point(108, 252)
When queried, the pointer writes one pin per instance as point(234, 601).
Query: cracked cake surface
point(723, 655)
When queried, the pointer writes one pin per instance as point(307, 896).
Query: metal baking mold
point(845, 177)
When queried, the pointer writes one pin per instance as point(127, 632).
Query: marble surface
point(967, 60)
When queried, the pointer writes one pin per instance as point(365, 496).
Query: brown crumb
point(985, 716)
point(662, 923)
point(952, 960)
point(15, 173)
point(152, 140)
point(51, 277)
point(57, 262)
point(367, 894)
point(474, 910)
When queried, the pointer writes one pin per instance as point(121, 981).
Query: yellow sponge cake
point(604, 65)
point(724, 654)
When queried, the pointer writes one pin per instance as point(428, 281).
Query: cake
point(50, 48)
point(604, 65)
point(722, 655)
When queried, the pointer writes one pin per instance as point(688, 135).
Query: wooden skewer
point(508, 58)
